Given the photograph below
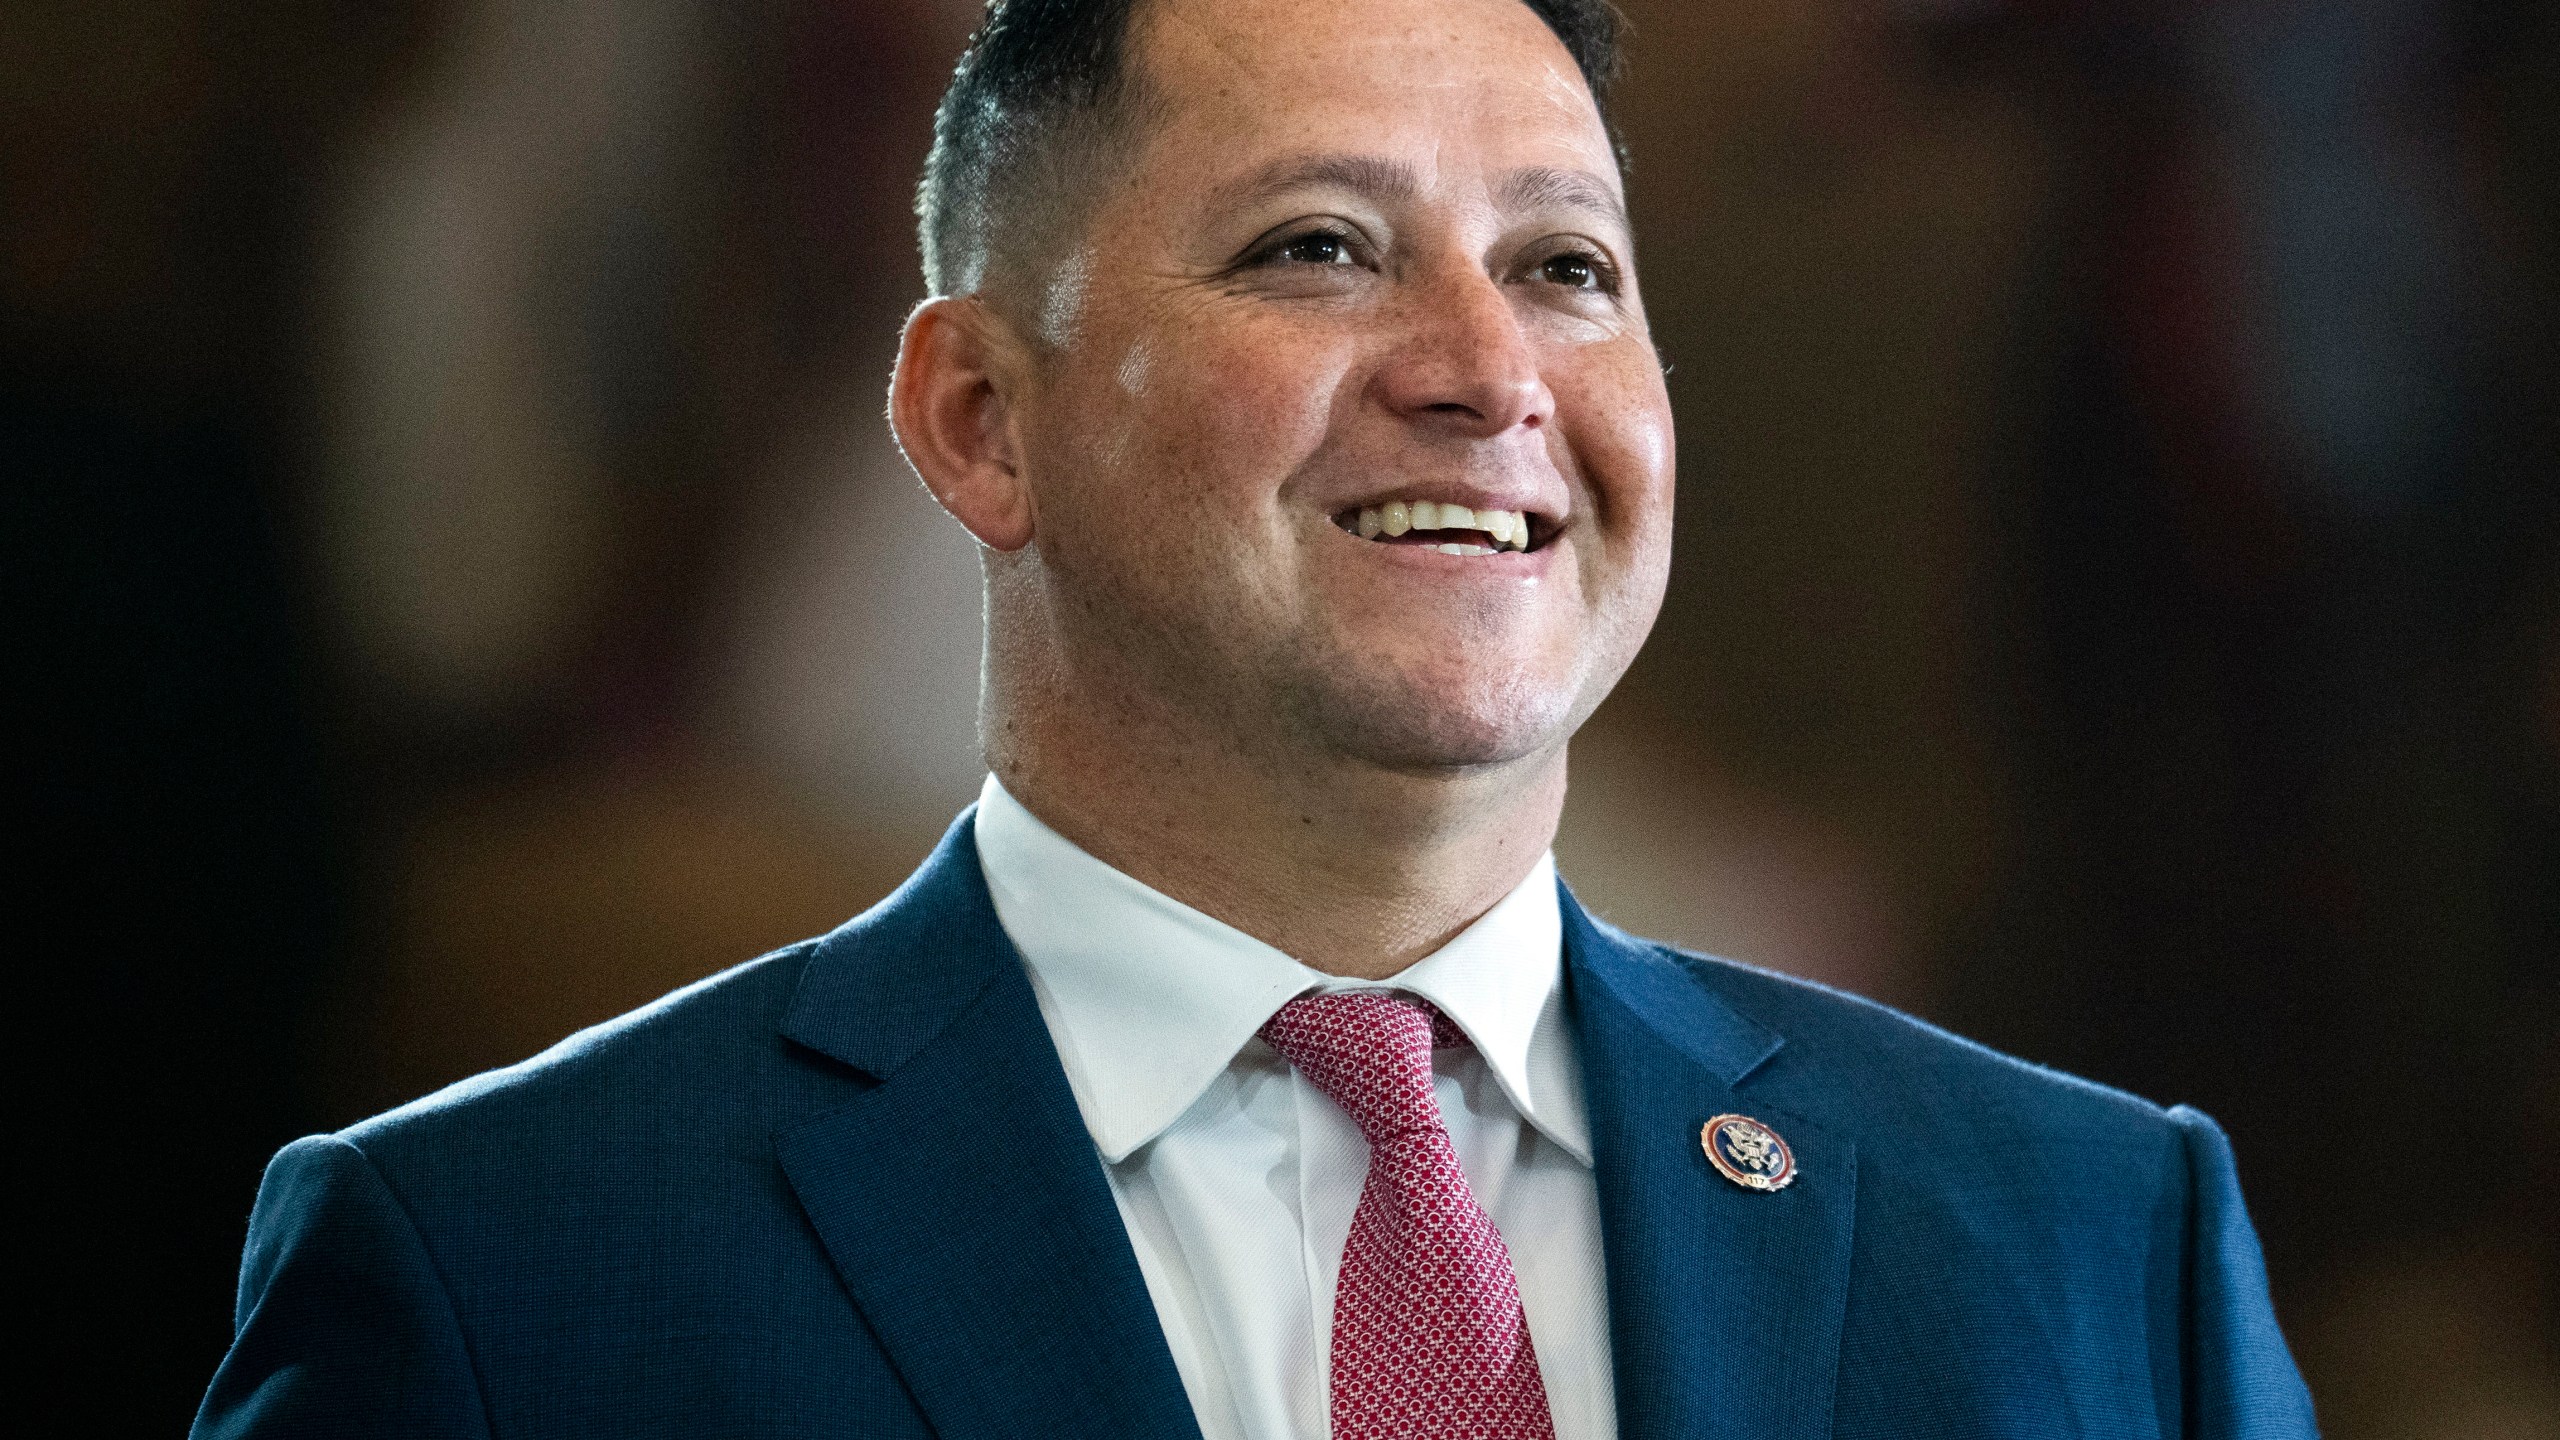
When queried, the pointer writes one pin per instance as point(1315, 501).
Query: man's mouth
point(1449, 529)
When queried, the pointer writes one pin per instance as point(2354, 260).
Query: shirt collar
point(1148, 1000)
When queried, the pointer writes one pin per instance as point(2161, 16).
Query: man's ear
point(950, 403)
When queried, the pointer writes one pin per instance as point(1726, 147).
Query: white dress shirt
point(1237, 1178)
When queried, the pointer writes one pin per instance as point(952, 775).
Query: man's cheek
point(1617, 414)
point(1267, 393)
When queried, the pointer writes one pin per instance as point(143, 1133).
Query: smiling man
point(1237, 1067)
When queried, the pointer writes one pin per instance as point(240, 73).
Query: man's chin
point(1422, 729)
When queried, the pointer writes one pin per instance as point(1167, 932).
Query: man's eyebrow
point(1369, 176)
point(1535, 186)
point(1377, 178)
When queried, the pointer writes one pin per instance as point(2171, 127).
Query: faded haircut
point(1043, 104)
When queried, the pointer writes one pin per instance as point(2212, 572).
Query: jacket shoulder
point(1894, 1071)
point(2090, 1243)
point(686, 1069)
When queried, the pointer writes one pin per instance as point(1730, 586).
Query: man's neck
point(1351, 869)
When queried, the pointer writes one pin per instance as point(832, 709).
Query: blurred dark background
point(458, 585)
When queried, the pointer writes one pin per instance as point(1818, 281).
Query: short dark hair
point(1045, 87)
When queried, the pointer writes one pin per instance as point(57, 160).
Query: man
point(1237, 1067)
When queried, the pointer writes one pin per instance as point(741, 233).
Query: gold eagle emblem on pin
point(1748, 1153)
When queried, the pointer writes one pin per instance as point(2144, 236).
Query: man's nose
point(1463, 364)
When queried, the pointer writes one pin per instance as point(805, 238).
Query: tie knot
point(1369, 1052)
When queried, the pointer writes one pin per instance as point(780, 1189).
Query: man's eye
point(1577, 270)
point(1322, 247)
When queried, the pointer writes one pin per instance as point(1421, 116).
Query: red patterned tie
point(1429, 1341)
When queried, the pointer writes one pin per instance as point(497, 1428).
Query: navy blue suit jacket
point(844, 1191)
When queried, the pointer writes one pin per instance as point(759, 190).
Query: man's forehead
point(1234, 64)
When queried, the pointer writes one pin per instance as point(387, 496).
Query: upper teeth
point(1507, 527)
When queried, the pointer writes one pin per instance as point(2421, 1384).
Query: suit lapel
point(961, 1198)
point(1725, 1304)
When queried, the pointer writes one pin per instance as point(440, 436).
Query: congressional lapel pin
point(1748, 1153)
